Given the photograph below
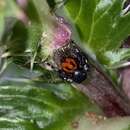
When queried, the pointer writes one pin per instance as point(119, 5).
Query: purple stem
point(100, 89)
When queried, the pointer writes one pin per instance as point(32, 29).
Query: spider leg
point(49, 65)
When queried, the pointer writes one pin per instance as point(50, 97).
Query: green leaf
point(115, 59)
point(35, 27)
point(11, 9)
point(54, 4)
point(7, 9)
point(101, 23)
point(14, 31)
point(1, 18)
point(40, 21)
point(18, 38)
point(36, 107)
point(81, 12)
point(17, 73)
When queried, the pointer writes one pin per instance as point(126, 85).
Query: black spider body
point(71, 62)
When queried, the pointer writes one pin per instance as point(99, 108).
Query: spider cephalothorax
point(71, 63)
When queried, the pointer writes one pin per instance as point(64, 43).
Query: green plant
point(34, 98)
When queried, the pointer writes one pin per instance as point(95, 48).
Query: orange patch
point(69, 65)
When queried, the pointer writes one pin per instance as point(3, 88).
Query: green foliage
point(31, 107)
point(7, 8)
point(46, 103)
point(29, 102)
point(102, 25)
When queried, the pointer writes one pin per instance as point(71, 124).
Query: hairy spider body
point(71, 63)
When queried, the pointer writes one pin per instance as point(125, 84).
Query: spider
point(71, 63)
